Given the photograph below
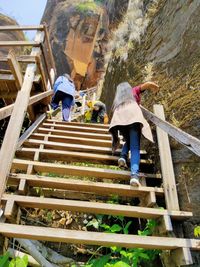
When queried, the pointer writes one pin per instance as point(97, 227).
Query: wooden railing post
point(169, 182)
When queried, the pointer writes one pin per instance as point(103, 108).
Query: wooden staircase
point(50, 148)
point(80, 159)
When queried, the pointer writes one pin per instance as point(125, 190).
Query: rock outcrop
point(79, 33)
point(169, 53)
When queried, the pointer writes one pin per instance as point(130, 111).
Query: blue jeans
point(67, 101)
point(132, 135)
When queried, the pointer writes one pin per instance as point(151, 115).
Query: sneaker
point(134, 181)
point(122, 163)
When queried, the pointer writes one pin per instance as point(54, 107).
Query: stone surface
point(169, 53)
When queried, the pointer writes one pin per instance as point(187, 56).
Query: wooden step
point(93, 125)
point(70, 147)
point(75, 128)
point(94, 238)
point(147, 193)
point(70, 156)
point(94, 207)
point(72, 140)
point(81, 171)
point(75, 133)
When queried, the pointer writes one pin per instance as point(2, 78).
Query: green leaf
point(4, 260)
point(25, 259)
point(125, 230)
point(121, 264)
point(115, 228)
point(143, 256)
point(101, 262)
point(105, 226)
point(197, 231)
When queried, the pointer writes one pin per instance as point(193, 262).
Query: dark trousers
point(67, 101)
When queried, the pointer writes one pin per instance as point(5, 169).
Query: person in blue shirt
point(64, 90)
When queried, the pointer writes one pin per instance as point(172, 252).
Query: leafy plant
point(120, 257)
point(16, 262)
point(197, 231)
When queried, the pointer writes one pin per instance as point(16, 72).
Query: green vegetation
point(121, 257)
point(86, 7)
point(197, 231)
point(16, 262)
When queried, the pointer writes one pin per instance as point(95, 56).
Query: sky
point(25, 12)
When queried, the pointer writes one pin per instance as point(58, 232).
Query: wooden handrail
point(21, 28)
point(189, 141)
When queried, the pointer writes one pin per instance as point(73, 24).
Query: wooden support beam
point(7, 111)
point(82, 171)
point(191, 142)
point(98, 188)
point(16, 69)
point(23, 187)
point(10, 210)
point(182, 256)
point(164, 225)
point(8, 77)
point(169, 182)
point(95, 238)
point(95, 207)
point(30, 130)
point(21, 28)
point(48, 49)
point(41, 71)
point(21, 59)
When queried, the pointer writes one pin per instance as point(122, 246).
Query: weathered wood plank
point(81, 171)
point(21, 59)
point(19, 43)
point(84, 186)
point(75, 133)
point(93, 125)
point(14, 127)
point(70, 156)
point(7, 111)
point(77, 128)
point(30, 130)
point(169, 182)
point(20, 28)
point(94, 238)
point(74, 140)
point(16, 69)
point(191, 142)
point(95, 207)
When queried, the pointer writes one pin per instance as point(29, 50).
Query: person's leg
point(135, 133)
point(94, 116)
point(56, 99)
point(66, 106)
point(122, 161)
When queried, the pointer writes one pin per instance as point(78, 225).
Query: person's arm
point(149, 86)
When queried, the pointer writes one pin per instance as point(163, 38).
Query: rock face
point(79, 33)
point(169, 53)
point(8, 35)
